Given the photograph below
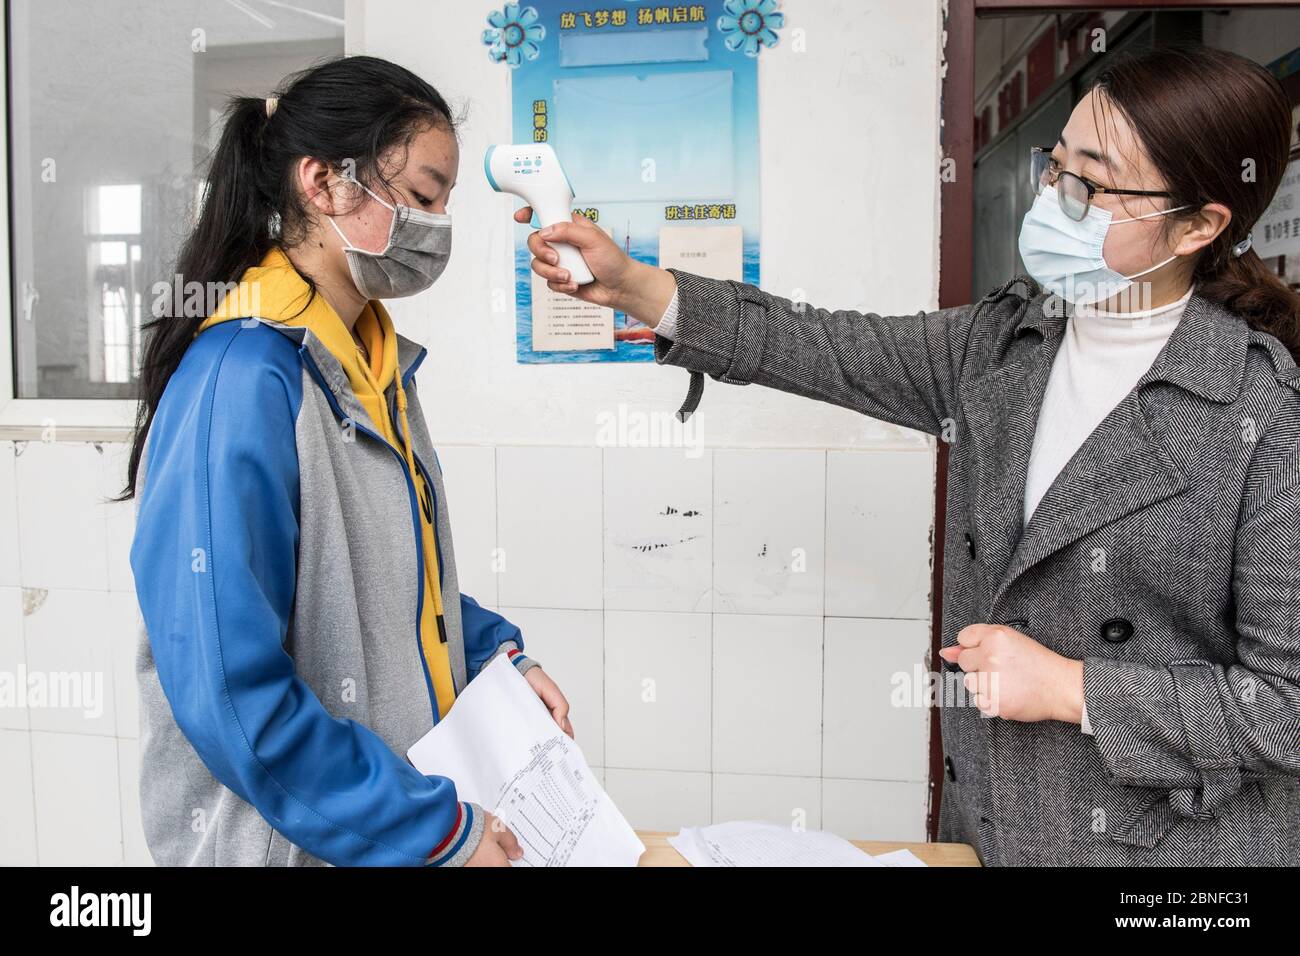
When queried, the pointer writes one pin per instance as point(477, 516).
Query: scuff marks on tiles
point(33, 598)
point(655, 544)
point(648, 546)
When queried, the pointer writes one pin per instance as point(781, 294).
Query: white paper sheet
point(715, 252)
point(766, 844)
point(505, 752)
point(899, 858)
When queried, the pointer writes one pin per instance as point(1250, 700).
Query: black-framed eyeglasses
point(1072, 191)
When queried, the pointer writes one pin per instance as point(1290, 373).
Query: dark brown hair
point(1217, 127)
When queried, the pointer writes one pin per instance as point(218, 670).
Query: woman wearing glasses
point(1122, 550)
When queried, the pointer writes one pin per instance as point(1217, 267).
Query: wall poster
point(653, 112)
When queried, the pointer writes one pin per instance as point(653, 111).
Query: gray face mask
point(419, 245)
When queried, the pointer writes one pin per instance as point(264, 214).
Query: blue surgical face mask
point(1065, 256)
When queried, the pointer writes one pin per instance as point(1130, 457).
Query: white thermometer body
point(533, 173)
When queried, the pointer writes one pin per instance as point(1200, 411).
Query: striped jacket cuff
point(523, 663)
point(459, 845)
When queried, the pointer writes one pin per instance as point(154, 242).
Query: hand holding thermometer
point(533, 173)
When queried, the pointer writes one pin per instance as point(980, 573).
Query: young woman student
point(293, 555)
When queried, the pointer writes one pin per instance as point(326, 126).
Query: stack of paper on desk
point(767, 844)
point(504, 752)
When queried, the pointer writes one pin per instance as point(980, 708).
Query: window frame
point(45, 419)
point(67, 419)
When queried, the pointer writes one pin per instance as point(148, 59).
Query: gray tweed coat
point(1166, 556)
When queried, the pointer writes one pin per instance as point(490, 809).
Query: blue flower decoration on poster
point(514, 35)
point(750, 25)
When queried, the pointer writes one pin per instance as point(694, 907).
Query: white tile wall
point(794, 801)
point(78, 823)
point(879, 510)
point(658, 529)
point(726, 627)
point(873, 809)
point(658, 693)
point(769, 531)
point(469, 476)
point(661, 799)
point(135, 851)
point(73, 617)
point(62, 521)
point(119, 516)
point(767, 689)
point(70, 641)
point(13, 660)
point(875, 725)
point(8, 516)
point(17, 800)
point(549, 527)
point(125, 626)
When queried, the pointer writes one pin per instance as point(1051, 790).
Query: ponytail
point(232, 234)
point(1246, 286)
point(347, 112)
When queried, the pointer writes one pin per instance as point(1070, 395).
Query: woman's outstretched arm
point(900, 369)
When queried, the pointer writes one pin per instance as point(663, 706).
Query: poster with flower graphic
point(652, 110)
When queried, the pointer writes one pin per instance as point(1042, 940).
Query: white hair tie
point(1241, 248)
point(271, 103)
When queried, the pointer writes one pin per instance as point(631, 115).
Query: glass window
point(113, 108)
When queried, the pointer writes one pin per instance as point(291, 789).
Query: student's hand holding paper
point(498, 846)
point(622, 283)
point(551, 696)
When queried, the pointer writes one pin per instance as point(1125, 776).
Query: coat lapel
point(1120, 468)
point(1001, 409)
point(1124, 465)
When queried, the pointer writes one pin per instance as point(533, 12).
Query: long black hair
point(348, 112)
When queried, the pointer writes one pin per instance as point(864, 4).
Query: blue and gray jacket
point(278, 568)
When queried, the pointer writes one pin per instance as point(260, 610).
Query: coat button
point(952, 772)
point(970, 545)
point(1117, 630)
point(1019, 624)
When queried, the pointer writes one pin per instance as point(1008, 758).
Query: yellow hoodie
point(282, 295)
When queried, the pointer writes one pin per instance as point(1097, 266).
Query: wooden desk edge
point(659, 853)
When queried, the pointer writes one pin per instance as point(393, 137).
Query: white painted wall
point(773, 686)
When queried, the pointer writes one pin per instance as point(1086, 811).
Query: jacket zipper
point(415, 518)
point(428, 486)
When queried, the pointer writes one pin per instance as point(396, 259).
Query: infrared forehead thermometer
point(533, 173)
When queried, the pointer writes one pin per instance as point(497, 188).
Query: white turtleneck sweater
point(1097, 364)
